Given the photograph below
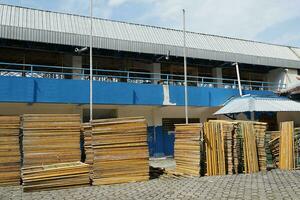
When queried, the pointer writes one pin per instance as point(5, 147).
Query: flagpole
point(185, 71)
point(91, 60)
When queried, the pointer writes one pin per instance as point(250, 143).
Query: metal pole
point(185, 71)
point(91, 61)
point(238, 77)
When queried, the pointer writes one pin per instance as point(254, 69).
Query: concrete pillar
point(217, 73)
point(72, 61)
point(77, 63)
point(156, 68)
point(67, 62)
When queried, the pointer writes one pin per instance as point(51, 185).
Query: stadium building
point(138, 70)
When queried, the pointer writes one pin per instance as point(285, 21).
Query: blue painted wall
point(160, 143)
point(34, 90)
point(207, 96)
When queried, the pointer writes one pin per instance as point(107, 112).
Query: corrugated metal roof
point(58, 28)
point(259, 104)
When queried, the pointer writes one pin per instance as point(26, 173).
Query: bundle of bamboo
point(55, 176)
point(249, 147)
point(120, 150)
point(260, 133)
point(9, 150)
point(187, 148)
point(215, 153)
point(286, 146)
point(269, 149)
point(50, 138)
point(237, 151)
point(274, 148)
point(227, 130)
point(87, 136)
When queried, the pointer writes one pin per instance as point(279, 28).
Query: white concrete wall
point(289, 116)
point(153, 114)
point(23, 108)
point(283, 76)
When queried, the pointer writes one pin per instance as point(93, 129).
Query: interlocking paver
point(275, 184)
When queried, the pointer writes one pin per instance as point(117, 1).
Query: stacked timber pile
point(187, 148)
point(215, 153)
point(286, 146)
point(87, 136)
point(55, 176)
point(50, 139)
point(260, 132)
point(250, 156)
point(9, 150)
point(120, 150)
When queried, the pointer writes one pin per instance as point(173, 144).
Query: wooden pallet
point(120, 150)
point(55, 176)
point(187, 148)
point(9, 150)
point(50, 138)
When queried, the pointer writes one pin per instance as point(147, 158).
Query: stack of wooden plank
point(187, 148)
point(249, 147)
point(286, 146)
point(215, 153)
point(260, 133)
point(50, 139)
point(87, 136)
point(120, 150)
point(9, 150)
point(55, 176)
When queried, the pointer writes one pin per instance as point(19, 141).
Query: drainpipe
point(238, 77)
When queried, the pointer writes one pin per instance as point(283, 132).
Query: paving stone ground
point(274, 184)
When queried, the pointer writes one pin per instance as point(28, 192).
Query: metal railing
point(59, 72)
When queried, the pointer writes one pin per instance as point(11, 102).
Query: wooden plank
point(286, 146)
point(187, 149)
point(55, 176)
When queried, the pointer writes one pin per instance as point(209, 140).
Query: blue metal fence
point(59, 72)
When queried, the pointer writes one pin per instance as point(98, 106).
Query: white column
point(217, 73)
